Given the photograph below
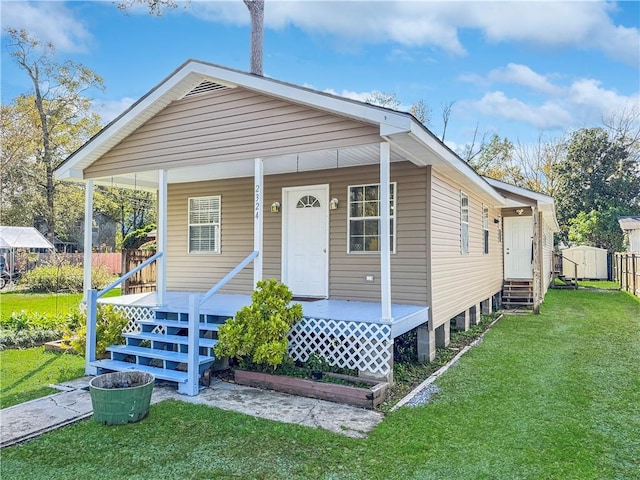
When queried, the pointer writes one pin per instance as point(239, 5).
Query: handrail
point(569, 260)
point(129, 274)
point(229, 276)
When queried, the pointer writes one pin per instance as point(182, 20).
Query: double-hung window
point(485, 227)
point(204, 224)
point(464, 223)
point(364, 218)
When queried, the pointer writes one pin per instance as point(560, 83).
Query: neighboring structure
point(11, 240)
point(591, 262)
point(631, 228)
point(373, 223)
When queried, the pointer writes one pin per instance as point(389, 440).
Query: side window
point(464, 223)
point(485, 227)
point(204, 224)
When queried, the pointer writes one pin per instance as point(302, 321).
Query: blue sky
point(518, 69)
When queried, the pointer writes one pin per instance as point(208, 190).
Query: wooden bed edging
point(356, 396)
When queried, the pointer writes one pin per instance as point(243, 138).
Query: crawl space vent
point(205, 87)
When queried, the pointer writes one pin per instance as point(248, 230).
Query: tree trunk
point(256, 11)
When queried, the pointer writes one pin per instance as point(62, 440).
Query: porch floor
point(405, 317)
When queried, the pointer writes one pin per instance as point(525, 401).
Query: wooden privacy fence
point(144, 280)
point(626, 271)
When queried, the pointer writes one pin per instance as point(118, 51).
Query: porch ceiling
point(291, 163)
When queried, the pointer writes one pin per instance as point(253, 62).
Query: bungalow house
point(375, 225)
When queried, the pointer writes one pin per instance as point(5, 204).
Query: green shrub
point(109, 326)
point(64, 278)
point(23, 320)
point(137, 238)
point(27, 338)
point(258, 333)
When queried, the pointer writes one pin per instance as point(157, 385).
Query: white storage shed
point(592, 262)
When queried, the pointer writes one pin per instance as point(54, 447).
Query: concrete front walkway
point(31, 419)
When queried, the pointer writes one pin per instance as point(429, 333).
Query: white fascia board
point(419, 133)
point(339, 105)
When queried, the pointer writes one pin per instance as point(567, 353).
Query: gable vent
point(205, 87)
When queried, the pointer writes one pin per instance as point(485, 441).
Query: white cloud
point(110, 109)
point(523, 75)
point(360, 96)
point(594, 102)
point(581, 101)
point(546, 116)
point(48, 22)
point(552, 24)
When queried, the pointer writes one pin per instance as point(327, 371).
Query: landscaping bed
point(349, 392)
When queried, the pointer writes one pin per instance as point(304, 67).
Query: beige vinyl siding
point(230, 124)
point(346, 271)
point(459, 281)
point(198, 271)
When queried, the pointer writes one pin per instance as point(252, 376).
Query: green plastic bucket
point(121, 397)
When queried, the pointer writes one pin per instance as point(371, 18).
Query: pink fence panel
point(113, 261)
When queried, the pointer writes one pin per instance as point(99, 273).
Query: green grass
point(601, 284)
point(26, 374)
point(553, 396)
point(46, 303)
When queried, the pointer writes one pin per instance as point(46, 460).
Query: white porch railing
point(92, 312)
point(195, 302)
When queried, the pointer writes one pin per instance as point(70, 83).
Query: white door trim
point(284, 272)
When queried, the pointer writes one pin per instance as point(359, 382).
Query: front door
point(518, 247)
point(305, 238)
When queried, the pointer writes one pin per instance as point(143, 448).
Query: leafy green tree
point(496, 160)
point(599, 175)
point(598, 229)
point(47, 124)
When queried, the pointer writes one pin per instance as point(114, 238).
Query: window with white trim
point(464, 223)
point(363, 223)
point(204, 224)
point(485, 227)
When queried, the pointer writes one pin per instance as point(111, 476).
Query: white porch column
point(385, 246)
point(257, 219)
point(88, 236)
point(161, 238)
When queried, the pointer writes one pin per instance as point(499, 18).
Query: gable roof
point(402, 130)
point(515, 195)
point(629, 223)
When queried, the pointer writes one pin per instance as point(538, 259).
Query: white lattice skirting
point(134, 314)
point(355, 345)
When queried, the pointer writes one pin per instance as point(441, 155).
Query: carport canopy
point(22, 237)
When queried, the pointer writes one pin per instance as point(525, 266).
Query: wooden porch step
point(212, 327)
point(175, 339)
point(159, 373)
point(167, 355)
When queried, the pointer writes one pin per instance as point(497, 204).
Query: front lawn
point(45, 303)
point(26, 374)
point(553, 396)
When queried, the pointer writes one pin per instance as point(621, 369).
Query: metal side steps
point(161, 347)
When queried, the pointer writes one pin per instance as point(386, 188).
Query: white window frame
point(216, 225)
point(485, 229)
point(393, 200)
point(464, 223)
